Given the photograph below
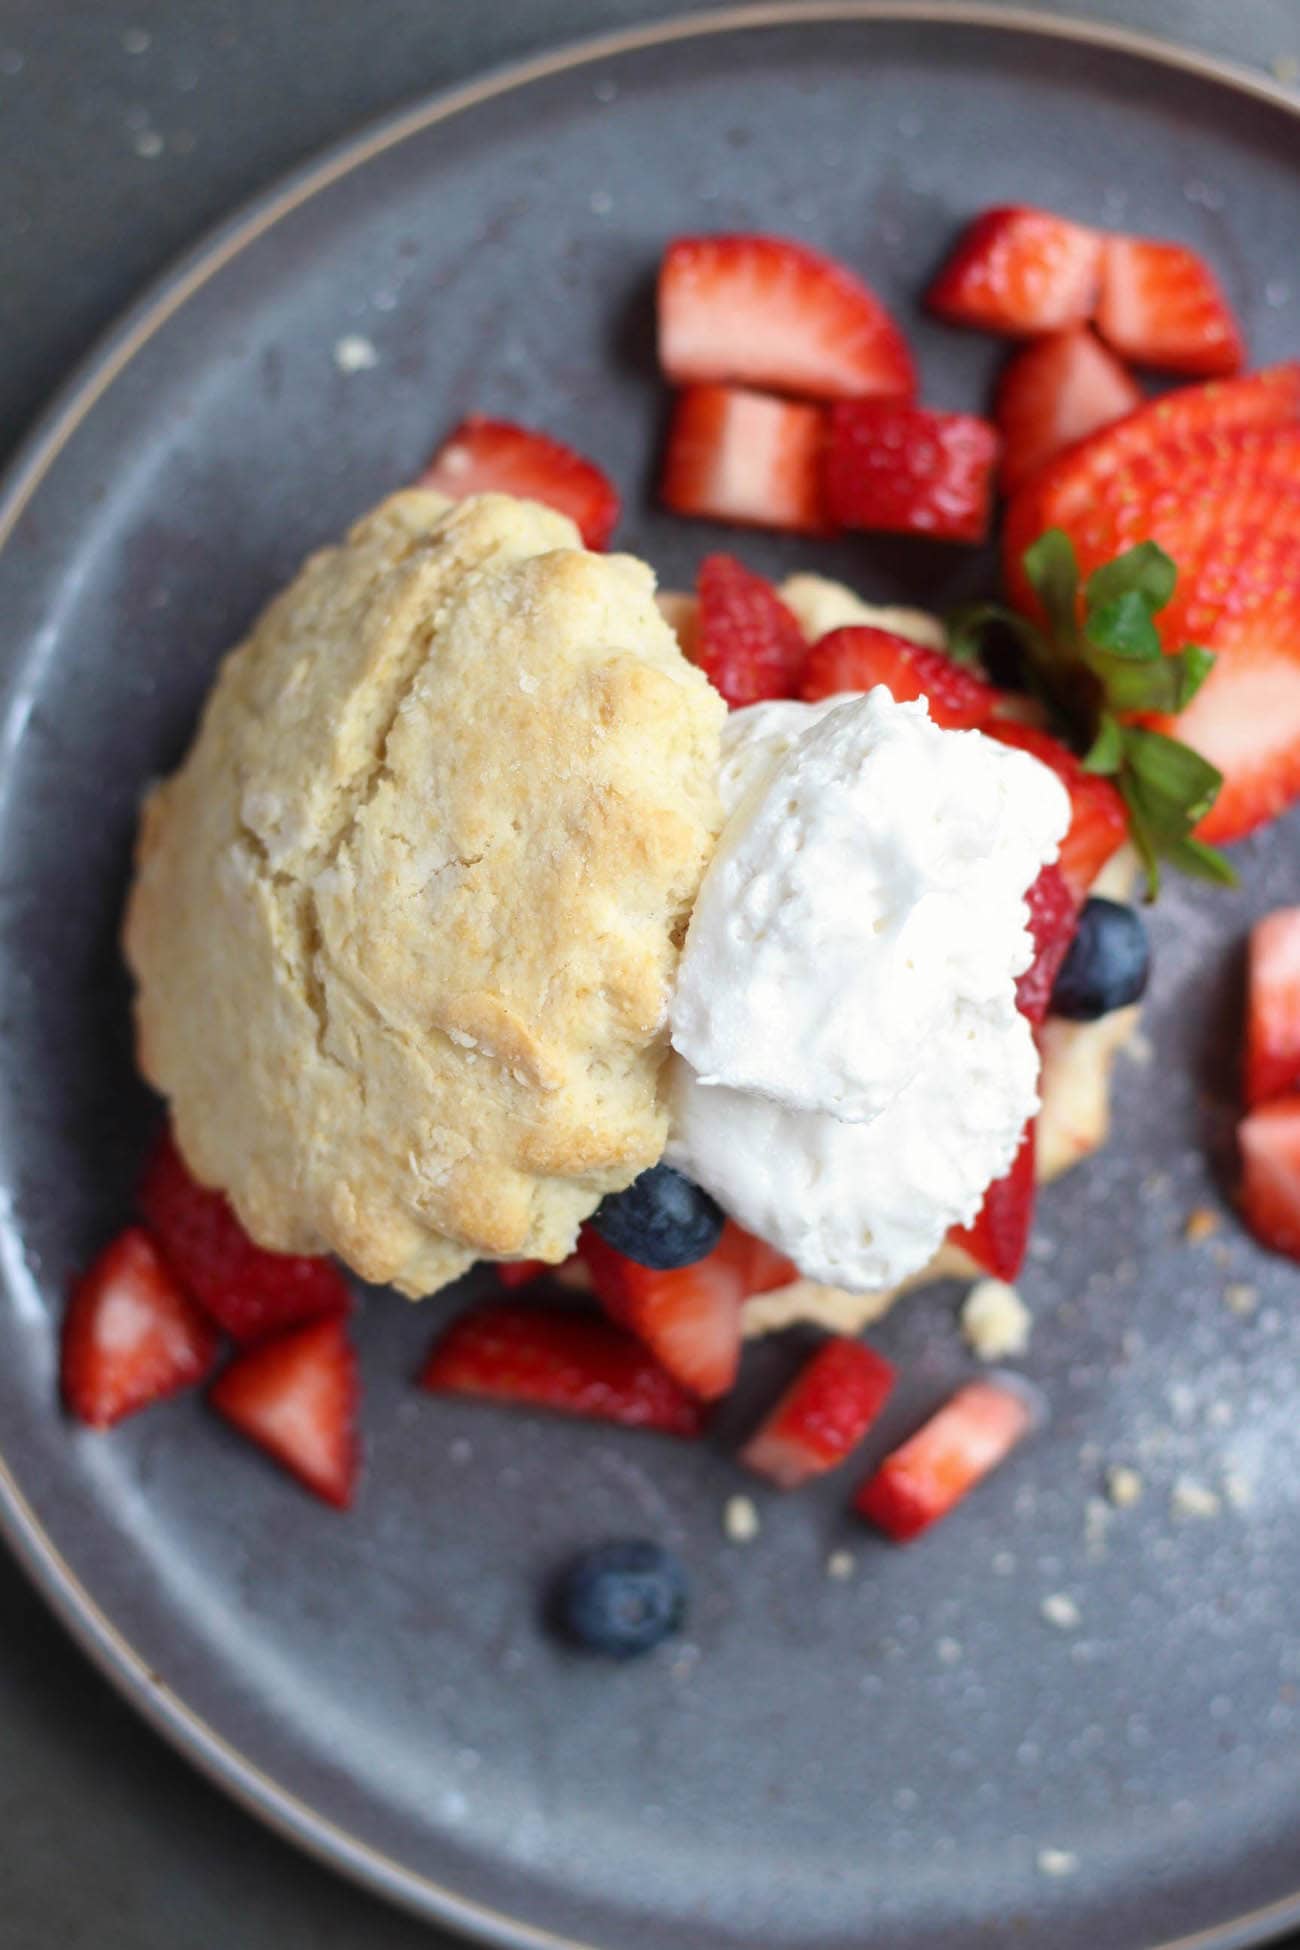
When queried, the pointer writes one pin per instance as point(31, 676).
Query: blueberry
point(621, 1599)
point(662, 1220)
point(1107, 966)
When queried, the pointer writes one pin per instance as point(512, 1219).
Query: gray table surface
point(127, 127)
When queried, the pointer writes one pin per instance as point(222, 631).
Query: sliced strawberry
point(823, 1415)
point(998, 1237)
point(759, 1267)
point(296, 1397)
point(906, 470)
point(858, 657)
point(748, 643)
point(521, 1272)
point(968, 1437)
point(1161, 305)
point(130, 1337)
point(769, 312)
point(496, 457)
point(1235, 570)
point(747, 457)
point(1269, 1139)
point(1053, 922)
point(1053, 392)
point(1061, 493)
point(1098, 821)
point(1246, 717)
point(1021, 271)
point(572, 1362)
point(689, 1318)
point(1273, 1007)
point(248, 1291)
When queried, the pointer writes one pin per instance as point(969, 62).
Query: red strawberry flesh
point(748, 643)
point(689, 1318)
point(930, 1474)
point(858, 657)
point(745, 457)
point(906, 470)
point(1098, 822)
point(1019, 270)
point(1161, 305)
point(487, 456)
point(296, 1397)
point(571, 1362)
point(823, 1415)
point(1053, 923)
point(1273, 1007)
point(131, 1337)
point(1054, 391)
point(1269, 1139)
point(997, 1239)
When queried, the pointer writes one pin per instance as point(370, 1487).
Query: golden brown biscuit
point(405, 921)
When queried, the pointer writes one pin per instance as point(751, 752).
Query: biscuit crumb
point(948, 1651)
point(1202, 1224)
point(1060, 1610)
point(1192, 1499)
point(1123, 1485)
point(995, 1320)
point(740, 1520)
point(355, 354)
point(1238, 1490)
point(1241, 1298)
point(841, 1565)
point(1057, 1862)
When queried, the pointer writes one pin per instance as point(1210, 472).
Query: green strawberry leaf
point(1123, 628)
point(1106, 752)
point(1053, 571)
point(1144, 571)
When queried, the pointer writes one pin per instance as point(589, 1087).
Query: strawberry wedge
point(296, 1398)
point(1020, 271)
point(747, 642)
point(858, 657)
point(772, 313)
point(1161, 305)
point(997, 1239)
point(247, 1291)
point(570, 1362)
point(487, 456)
point(1269, 1140)
point(823, 1415)
point(968, 1437)
point(745, 457)
point(1054, 391)
point(131, 1337)
point(1053, 922)
point(689, 1318)
point(1273, 1007)
point(903, 469)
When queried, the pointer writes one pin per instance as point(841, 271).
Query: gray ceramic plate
point(915, 1756)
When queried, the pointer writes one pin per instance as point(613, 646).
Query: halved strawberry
point(248, 1291)
point(770, 312)
point(572, 1362)
point(1246, 717)
point(747, 642)
point(1021, 271)
point(1098, 821)
point(1053, 922)
point(1053, 392)
point(1270, 1185)
point(296, 1397)
point(1061, 493)
point(130, 1336)
point(1161, 305)
point(497, 457)
point(967, 1438)
point(689, 1318)
point(858, 657)
point(1273, 1007)
point(736, 455)
point(823, 1415)
point(997, 1239)
point(901, 468)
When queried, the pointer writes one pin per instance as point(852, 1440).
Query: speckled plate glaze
point(915, 1756)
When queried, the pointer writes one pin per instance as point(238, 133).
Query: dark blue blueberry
point(621, 1599)
point(1107, 966)
point(661, 1220)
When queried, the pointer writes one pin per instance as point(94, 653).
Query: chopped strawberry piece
point(1061, 493)
point(521, 1272)
point(248, 1291)
point(572, 1362)
point(689, 1318)
point(769, 312)
point(735, 455)
point(496, 457)
point(1161, 305)
point(823, 1415)
point(1053, 922)
point(1021, 271)
point(1053, 392)
point(909, 471)
point(748, 643)
point(1273, 1007)
point(858, 657)
point(296, 1397)
point(997, 1239)
point(1098, 821)
point(1269, 1139)
point(968, 1437)
point(130, 1337)
point(759, 1267)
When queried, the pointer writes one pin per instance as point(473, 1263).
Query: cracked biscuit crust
point(404, 923)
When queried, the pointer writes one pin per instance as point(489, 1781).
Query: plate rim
point(265, 1798)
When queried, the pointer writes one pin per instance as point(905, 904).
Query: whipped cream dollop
point(851, 1071)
